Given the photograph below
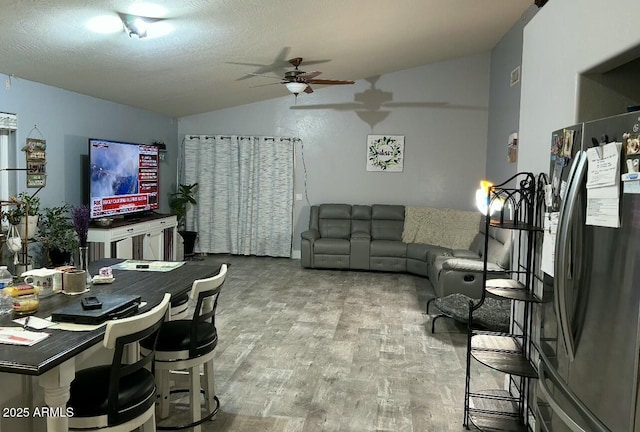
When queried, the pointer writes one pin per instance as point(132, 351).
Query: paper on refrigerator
point(603, 185)
point(549, 242)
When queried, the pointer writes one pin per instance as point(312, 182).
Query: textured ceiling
point(202, 64)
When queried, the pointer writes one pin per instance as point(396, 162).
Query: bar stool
point(186, 345)
point(179, 308)
point(119, 397)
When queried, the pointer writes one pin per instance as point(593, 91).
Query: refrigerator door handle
point(562, 251)
point(544, 373)
point(559, 270)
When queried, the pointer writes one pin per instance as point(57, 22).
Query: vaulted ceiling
point(202, 63)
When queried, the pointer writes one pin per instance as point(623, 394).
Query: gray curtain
point(245, 193)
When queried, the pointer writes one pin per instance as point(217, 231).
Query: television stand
point(141, 216)
point(149, 237)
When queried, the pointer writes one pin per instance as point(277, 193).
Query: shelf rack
point(510, 353)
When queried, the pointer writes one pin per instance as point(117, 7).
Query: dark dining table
point(53, 359)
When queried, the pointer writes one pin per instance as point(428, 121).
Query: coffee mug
point(39, 281)
point(47, 280)
point(74, 281)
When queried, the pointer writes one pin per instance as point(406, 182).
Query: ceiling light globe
point(139, 27)
point(296, 87)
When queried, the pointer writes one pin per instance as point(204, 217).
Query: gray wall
point(66, 120)
point(504, 99)
point(441, 109)
point(554, 56)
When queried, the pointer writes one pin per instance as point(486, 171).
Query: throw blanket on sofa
point(453, 229)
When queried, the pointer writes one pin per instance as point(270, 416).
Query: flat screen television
point(124, 178)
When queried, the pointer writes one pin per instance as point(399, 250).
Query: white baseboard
point(295, 254)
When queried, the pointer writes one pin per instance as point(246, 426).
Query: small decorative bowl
point(104, 222)
point(25, 304)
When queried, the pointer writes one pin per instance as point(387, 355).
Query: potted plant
point(179, 203)
point(25, 204)
point(57, 230)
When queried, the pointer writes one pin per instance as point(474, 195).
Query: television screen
point(124, 177)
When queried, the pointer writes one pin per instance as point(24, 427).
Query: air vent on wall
point(515, 76)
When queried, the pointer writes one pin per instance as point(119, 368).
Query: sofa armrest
point(464, 276)
point(360, 235)
point(464, 253)
point(469, 265)
point(311, 235)
point(306, 247)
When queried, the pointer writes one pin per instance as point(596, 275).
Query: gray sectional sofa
point(444, 245)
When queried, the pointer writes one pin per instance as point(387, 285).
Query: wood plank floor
point(323, 350)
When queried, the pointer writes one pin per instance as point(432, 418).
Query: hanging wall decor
point(36, 162)
point(512, 148)
point(385, 153)
point(8, 121)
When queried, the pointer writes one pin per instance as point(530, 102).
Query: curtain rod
point(244, 137)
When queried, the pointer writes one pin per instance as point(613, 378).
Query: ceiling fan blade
point(246, 64)
point(262, 85)
point(309, 75)
point(328, 82)
point(308, 89)
point(312, 62)
point(266, 76)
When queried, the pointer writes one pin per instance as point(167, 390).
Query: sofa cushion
point(477, 245)
point(435, 266)
point(331, 261)
point(362, 212)
point(332, 246)
point(499, 245)
point(388, 264)
point(334, 228)
point(387, 222)
point(334, 211)
point(463, 264)
point(334, 221)
point(360, 221)
point(436, 252)
point(387, 248)
point(390, 212)
point(420, 251)
point(499, 253)
point(465, 253)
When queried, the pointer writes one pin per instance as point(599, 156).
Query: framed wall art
point(385, 153)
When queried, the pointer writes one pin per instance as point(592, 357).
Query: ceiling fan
point(298, 81)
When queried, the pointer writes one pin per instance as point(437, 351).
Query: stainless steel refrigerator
point(587, 327)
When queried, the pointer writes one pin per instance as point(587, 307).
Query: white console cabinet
point(150, 238)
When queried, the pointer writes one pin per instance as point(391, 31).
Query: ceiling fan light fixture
point(296, 87)
point(135, 25)
point(138, 27)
